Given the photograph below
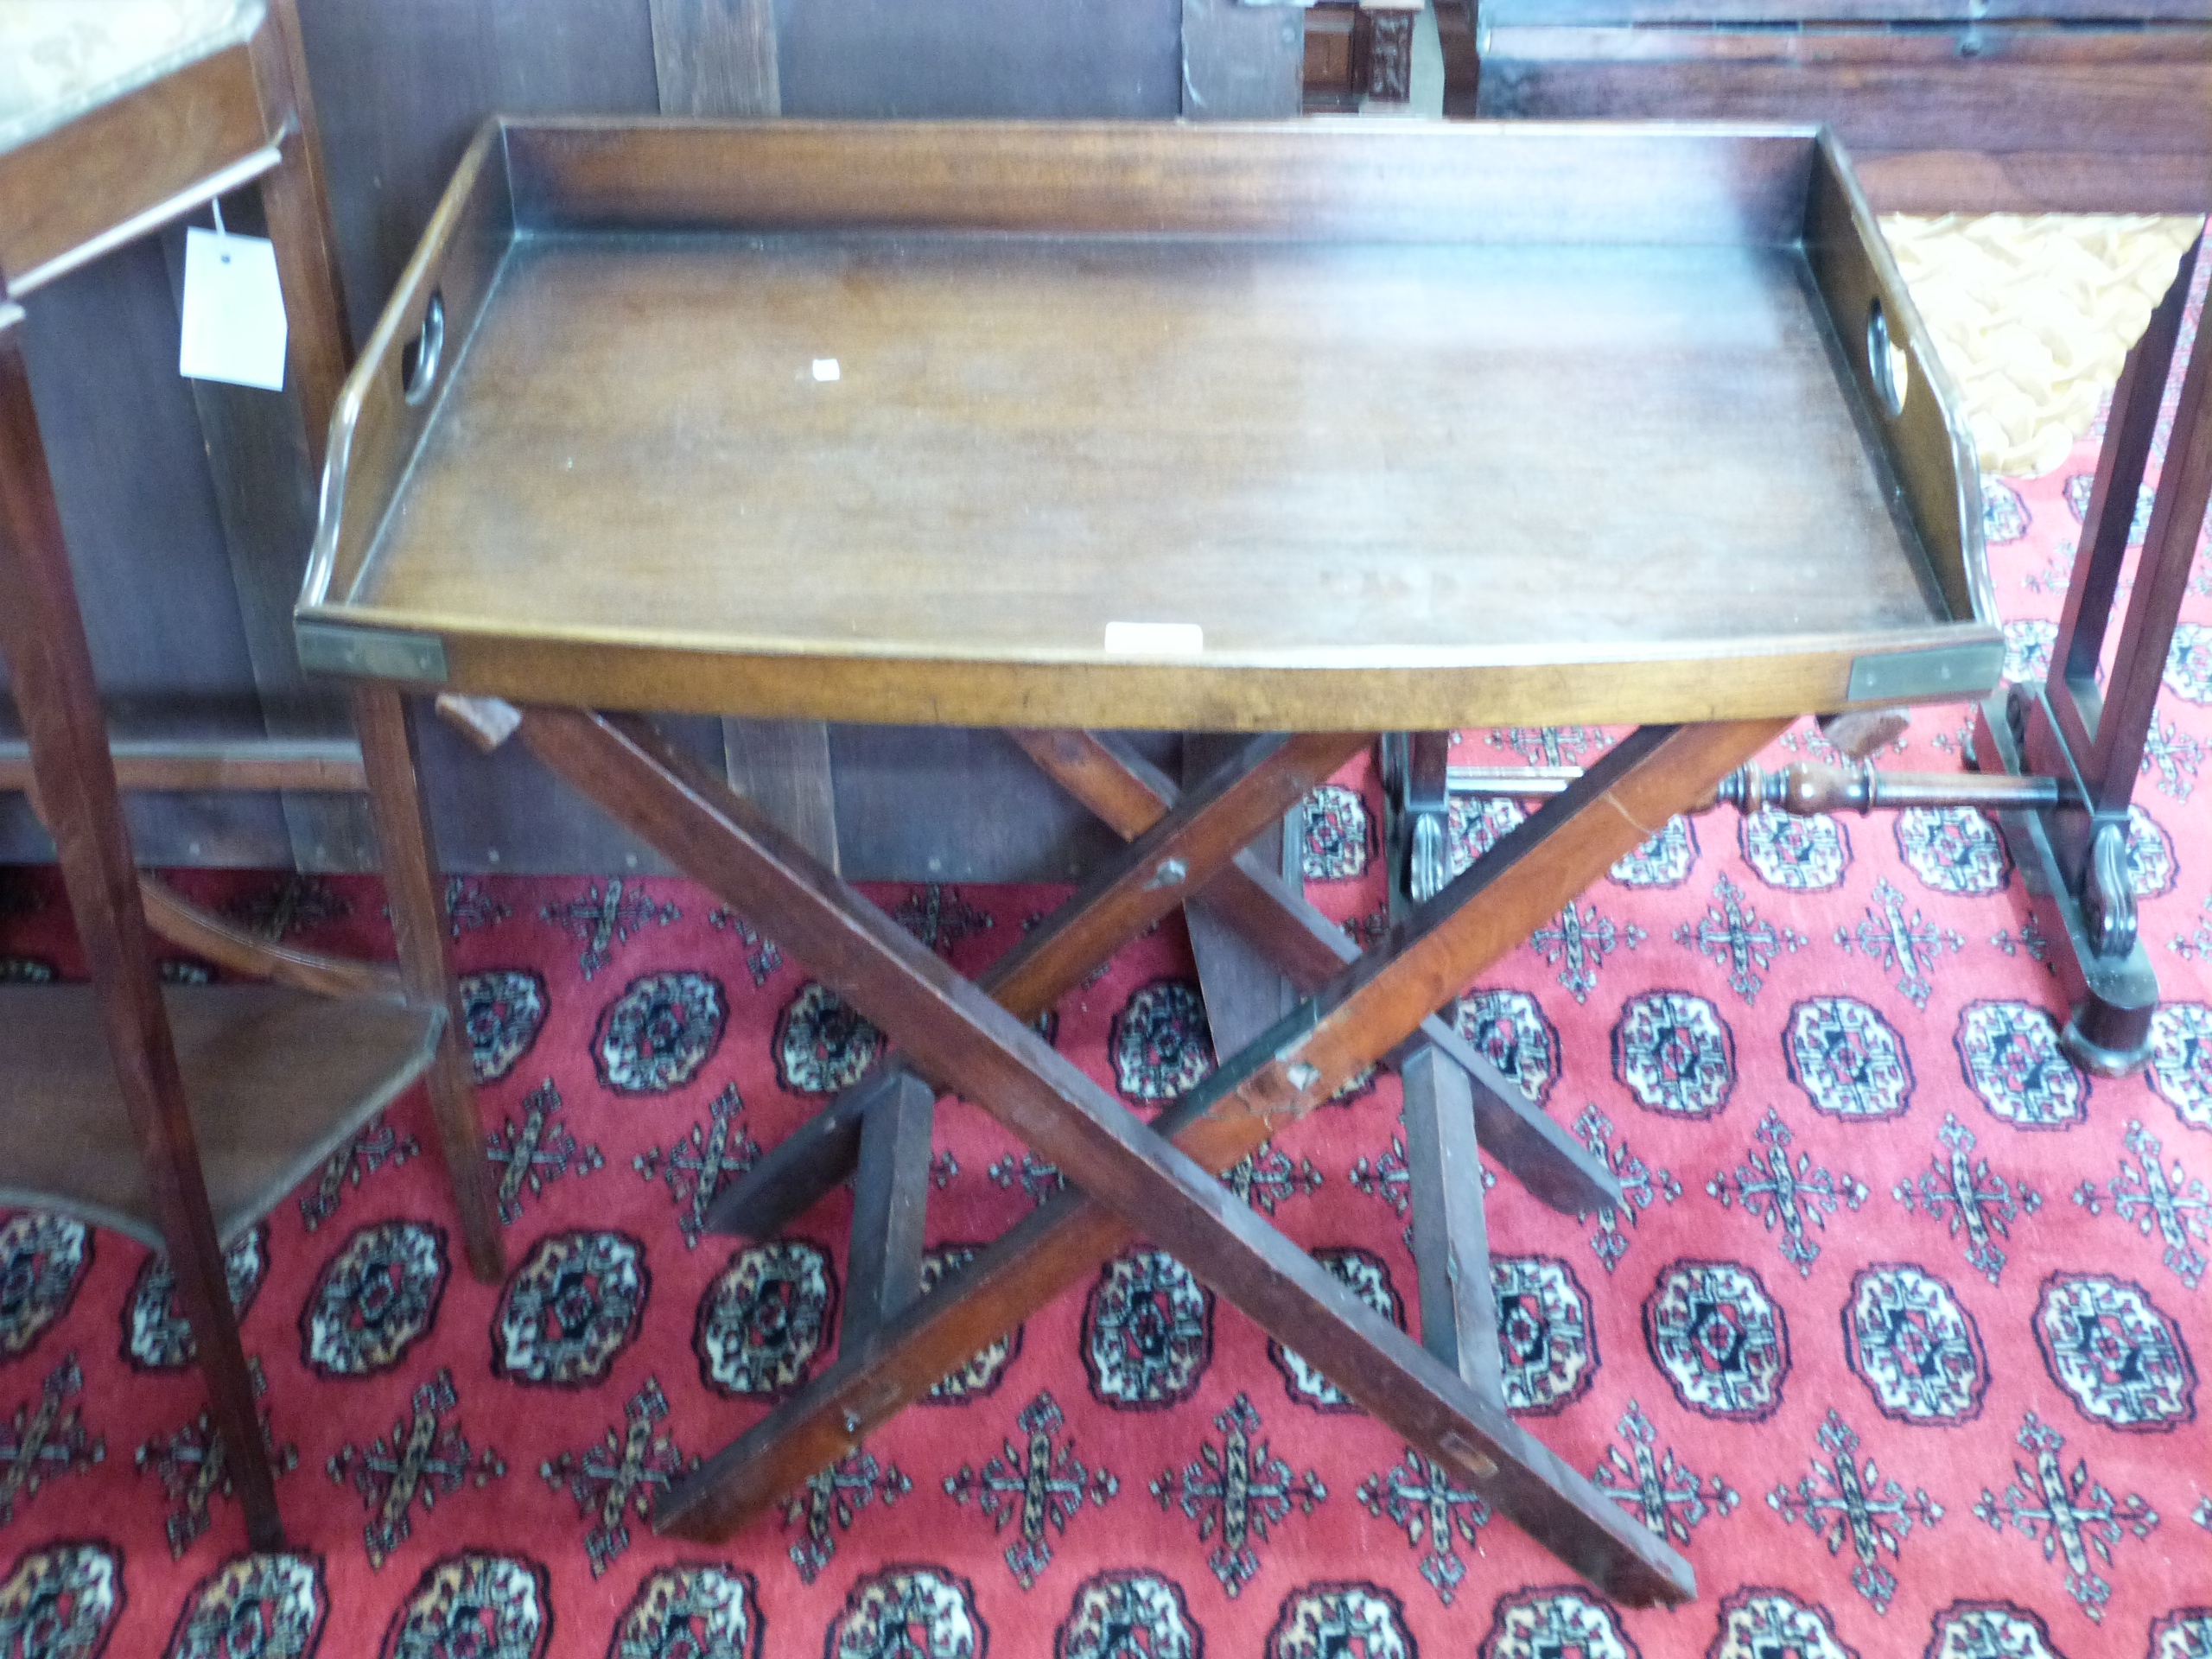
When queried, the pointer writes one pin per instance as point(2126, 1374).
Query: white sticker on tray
point(1154, 638)
point(826, 369)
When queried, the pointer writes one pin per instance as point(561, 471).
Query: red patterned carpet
point(1898, 1339)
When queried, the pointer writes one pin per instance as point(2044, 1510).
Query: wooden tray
point(1366, 426)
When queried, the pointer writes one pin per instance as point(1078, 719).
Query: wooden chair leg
point(954, 1031)
point(1178, 852)
point(418, 924)
point(50, 664)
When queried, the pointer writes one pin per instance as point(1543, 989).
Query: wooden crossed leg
point(1158, 1178)
point(1132, 797)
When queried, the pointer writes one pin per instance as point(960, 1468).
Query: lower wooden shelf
point(276, 1078)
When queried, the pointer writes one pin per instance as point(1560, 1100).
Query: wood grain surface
point(276, 1078)
point(1522, 449)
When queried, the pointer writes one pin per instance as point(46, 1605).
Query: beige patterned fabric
point(61, 58)
point(2033, 315)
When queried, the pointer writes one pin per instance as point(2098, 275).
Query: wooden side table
point(228, 1095)
point(2088, 731)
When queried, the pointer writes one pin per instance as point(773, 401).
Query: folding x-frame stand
point(1158, 1179)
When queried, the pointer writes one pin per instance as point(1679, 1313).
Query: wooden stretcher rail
point(333, 764)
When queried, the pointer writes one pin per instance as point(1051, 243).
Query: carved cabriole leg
point(954, 1031)
point(42, 637)
point(1388, 60)
point(1180, 853)
point(418, 924)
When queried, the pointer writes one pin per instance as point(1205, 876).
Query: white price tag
point(1154, 639)
point(233, 311)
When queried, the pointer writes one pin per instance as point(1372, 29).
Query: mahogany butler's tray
point(1313, 432)
point(1364, 426)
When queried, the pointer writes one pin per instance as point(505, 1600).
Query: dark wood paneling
point(1241, 62)
point(715, 57)
point(145, 540)
point(505, 811)
point(256, 457)
point(401, 87)
point(783, 766)
point(2076, 107)
point(939, 58)
point(2034, 182)
point(122, 441)
point(1767, 14)
point(923, 804)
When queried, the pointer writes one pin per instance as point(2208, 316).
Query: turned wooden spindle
point(1806, 787)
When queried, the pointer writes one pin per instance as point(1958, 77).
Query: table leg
point(1244, 992)
point(883, 1268)
point(1458, 1317)
point(1178, 852)
point(418, 924)
point(42, 636)
point(1127, 793)
point(1132, 796)
point(320, 348)
point(952, 1030)
point(2089, 735)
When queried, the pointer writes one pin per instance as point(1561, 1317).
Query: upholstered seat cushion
point(61, 58)
point(2034, 315)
